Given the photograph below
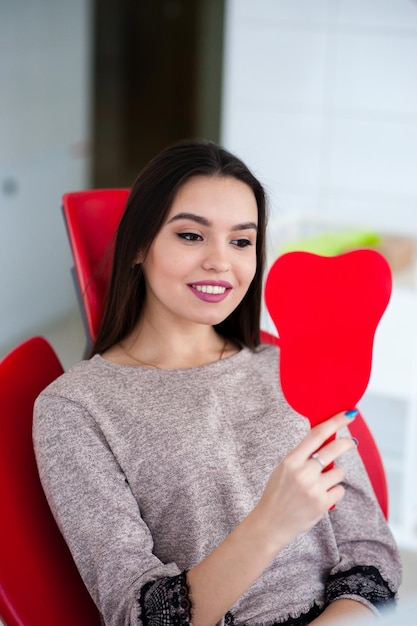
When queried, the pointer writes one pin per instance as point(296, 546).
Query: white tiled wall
point(320, 98)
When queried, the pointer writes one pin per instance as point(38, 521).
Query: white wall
point(44, 151)
point(320, 98)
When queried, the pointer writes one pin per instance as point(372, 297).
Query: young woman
point(182, 481)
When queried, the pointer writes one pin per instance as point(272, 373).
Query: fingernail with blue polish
point(355, 441)
point(352, 413)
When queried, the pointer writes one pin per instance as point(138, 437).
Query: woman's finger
point(331, 478)
point(318, 435)
point(328, 453)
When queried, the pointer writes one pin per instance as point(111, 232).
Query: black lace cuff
point(363, 581)
point(302, 620)
point(166, 602)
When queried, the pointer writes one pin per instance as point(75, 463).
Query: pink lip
point(211, 297)
point(215, 283)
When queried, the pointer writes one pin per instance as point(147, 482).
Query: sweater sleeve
point(369, 569)
point(101, 521)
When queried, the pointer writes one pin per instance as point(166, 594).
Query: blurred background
point(319, 97)
point(90, 91)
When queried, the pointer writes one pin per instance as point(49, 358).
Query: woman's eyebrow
point(205, 222)
point(190, 216)
point(246, 226)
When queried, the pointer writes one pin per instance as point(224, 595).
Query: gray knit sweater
point(147, 470)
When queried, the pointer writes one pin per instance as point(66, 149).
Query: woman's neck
point(148, 346)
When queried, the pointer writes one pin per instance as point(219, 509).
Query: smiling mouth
point(213, 289)
point(211, 292)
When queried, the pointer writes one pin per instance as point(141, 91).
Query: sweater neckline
point(222, 365)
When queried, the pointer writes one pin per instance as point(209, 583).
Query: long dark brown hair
point(147, 207)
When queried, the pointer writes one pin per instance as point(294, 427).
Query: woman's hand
point(345, 611)
point(297, 495)
point(299, 492)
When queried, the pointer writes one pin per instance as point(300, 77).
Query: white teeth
point(215, 289)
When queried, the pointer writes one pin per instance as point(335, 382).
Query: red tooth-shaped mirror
point(326, 310)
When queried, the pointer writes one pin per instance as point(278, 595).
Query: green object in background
point(333, 243)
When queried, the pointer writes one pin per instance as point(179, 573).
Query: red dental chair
point(91, 218)
point(39, 582)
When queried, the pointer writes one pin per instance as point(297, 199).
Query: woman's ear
point(140, 257)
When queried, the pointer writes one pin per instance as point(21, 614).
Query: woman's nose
point(216, 259)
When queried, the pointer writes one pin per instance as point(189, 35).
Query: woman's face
point(202, 261)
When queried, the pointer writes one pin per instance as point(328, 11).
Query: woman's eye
point(190, 236)
point(241, 243)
